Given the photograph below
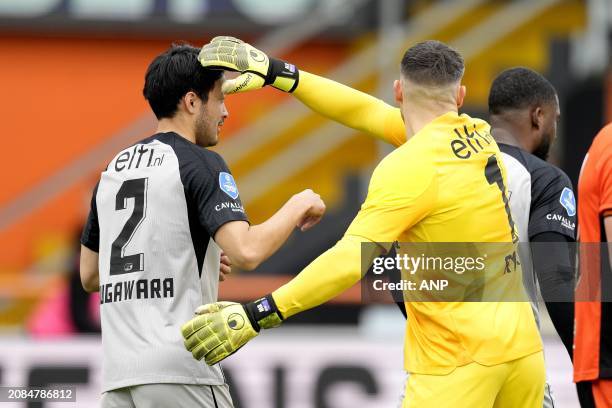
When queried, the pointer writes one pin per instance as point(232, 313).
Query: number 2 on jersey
point(493, 175)
point(120, 263)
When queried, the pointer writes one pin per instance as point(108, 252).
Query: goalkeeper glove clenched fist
point(257, 68)
point(221, 328)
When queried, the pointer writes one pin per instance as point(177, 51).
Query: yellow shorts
point(517, 383)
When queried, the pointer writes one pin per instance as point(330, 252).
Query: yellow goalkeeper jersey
point(447, 184)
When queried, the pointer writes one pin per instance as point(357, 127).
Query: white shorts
point(168, 395)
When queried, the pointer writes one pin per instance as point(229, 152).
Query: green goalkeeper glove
point(257, 68)
point(221, 328)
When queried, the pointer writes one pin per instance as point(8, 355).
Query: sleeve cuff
point(212, 229)
point(545, 229)
point(94, 246)
point(606, 210)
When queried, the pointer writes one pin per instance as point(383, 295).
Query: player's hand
point(221, 328)
point(257, 68)
point(313, 209)
point(225, 267)
point(218, 330)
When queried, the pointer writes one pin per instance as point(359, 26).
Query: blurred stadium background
point(71, 75)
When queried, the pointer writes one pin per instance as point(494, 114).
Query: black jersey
point(542, 201)
point(542, 197)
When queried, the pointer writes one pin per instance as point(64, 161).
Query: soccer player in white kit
point(160, 216)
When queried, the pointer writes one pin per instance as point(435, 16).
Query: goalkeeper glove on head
point(257, 68)
point(221, 328)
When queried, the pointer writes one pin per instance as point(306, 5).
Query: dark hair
point(518, 88)
point(174, 73)
point(432, 63)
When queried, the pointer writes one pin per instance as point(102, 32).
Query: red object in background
point(52, 316)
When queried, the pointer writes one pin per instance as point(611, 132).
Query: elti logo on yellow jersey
point(469, 142)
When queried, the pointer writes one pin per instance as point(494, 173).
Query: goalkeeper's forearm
point(350, 107)
point(326, 277)
point(338, 102)
point(221, 328)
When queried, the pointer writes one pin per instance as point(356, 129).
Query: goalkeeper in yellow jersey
point(446, 184)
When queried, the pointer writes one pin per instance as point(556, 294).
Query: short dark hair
point(432, 63)
point(519, 88)
point(174, 73)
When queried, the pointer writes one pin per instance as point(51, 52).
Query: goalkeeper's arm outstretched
point(331, 99)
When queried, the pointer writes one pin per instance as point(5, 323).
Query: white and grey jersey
point(153, 215)
point(541, 200)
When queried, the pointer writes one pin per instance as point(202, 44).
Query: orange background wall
point(61, 98)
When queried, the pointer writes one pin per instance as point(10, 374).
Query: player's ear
point(461, 92)
point(537, 117)
point(397, 91)
point(191, 102)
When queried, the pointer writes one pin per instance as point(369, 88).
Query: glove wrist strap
point(282, 75)
point(263, 313)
